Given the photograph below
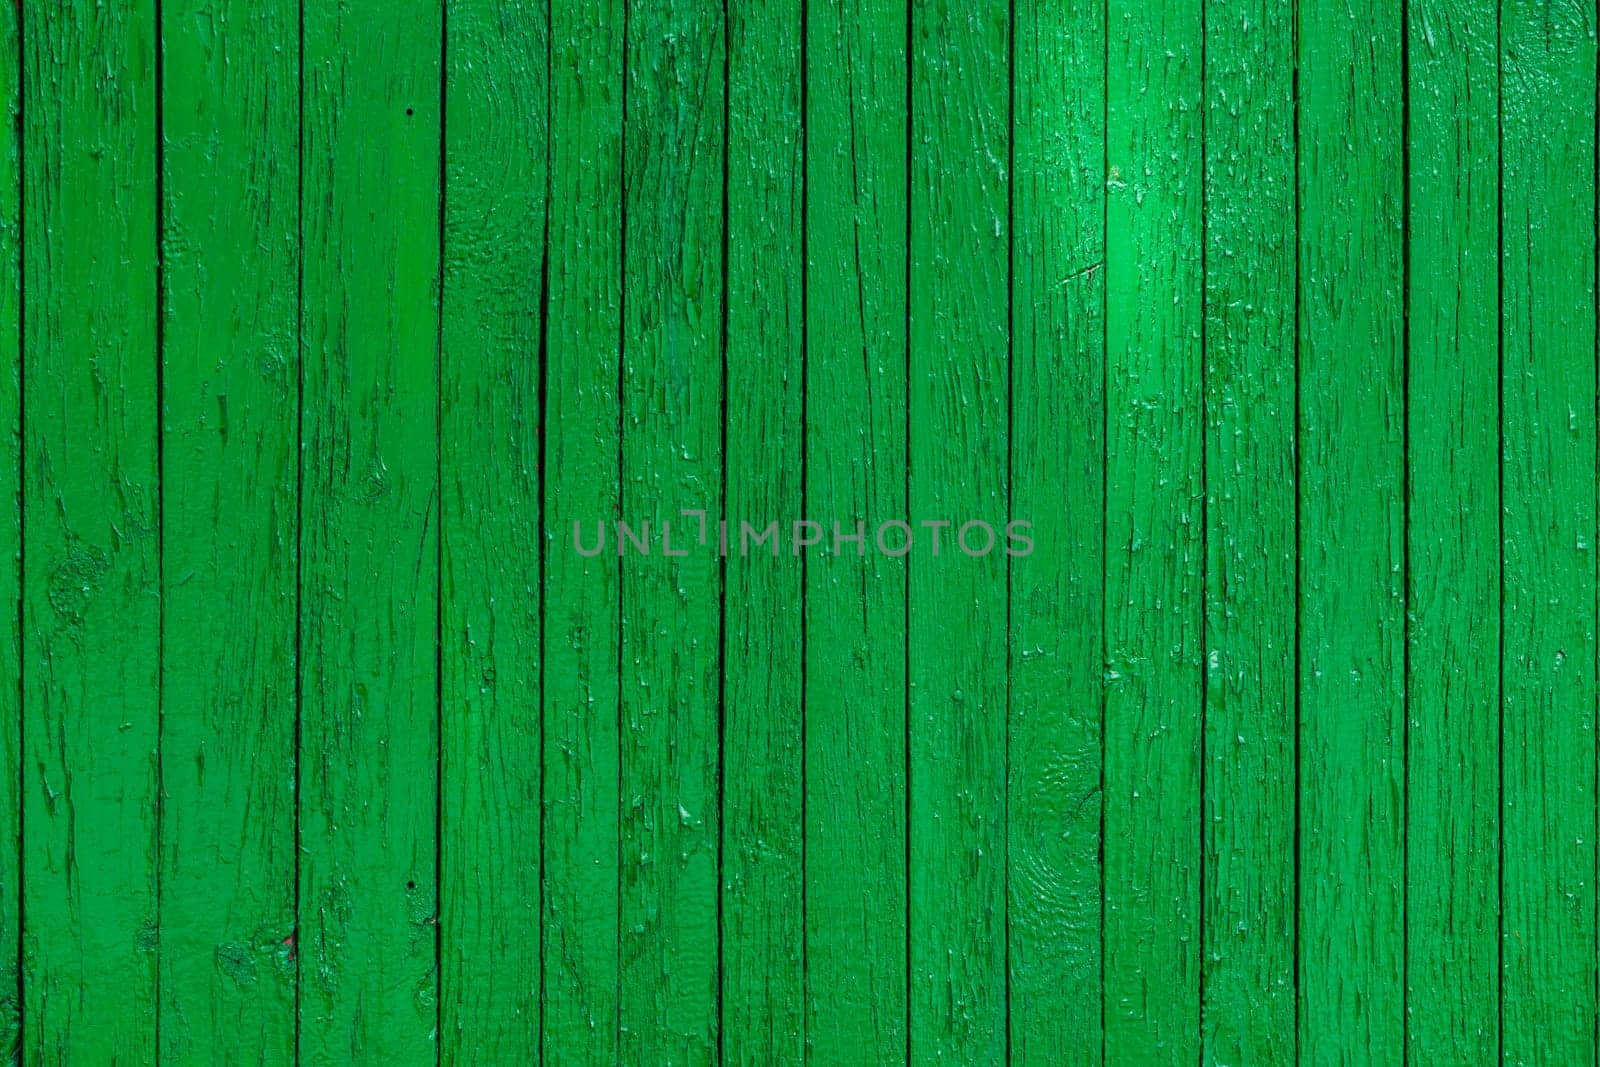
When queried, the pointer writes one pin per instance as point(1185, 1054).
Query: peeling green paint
point(322, 326)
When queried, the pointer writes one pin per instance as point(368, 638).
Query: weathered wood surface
point(325, 328)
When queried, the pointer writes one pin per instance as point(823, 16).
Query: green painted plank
point(855, 454)
point(746, 896)
point(1452, 534)
point(91, 583)
point(1058, 325)
point(1352, 542)
point(672, 462)
point(230, 446)
point(763, 989)
point(1248, 917)
point(490, 514)
point(1153, 534)
point(10, 527)
point(957, 642)
point(582, 799)
point(369, 534)
point(1547, 433)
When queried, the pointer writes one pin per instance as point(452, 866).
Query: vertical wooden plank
point(855, 683)
point(1453, 516)
point(762, 941)
point(1154, 523)
point(490, 519)
point(1547, 65)
point(582, 787)
point(958, 640)
point(92, 591)
point(1057, 458)
point(11, 527)
point(1248, 917)
point(672, 462)
point(369, 534)
point(1352, 542)
point(230, 432)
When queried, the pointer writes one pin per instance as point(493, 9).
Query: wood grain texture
point(672, 461)
point(1351, 537)
point(369, 734)
point(1452, 536)
point(1248, 920)
point(11, 768)
point(958, 388)
point(324, 738)
point(495, 203)
point(762, 875)
point(230, 463)
point(855, 468)
point(582, 480)
point(1058, 320)
point(1153, 535)
point(1547, 470)
point(91, 584)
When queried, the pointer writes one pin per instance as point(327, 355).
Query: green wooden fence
point(325, 326)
